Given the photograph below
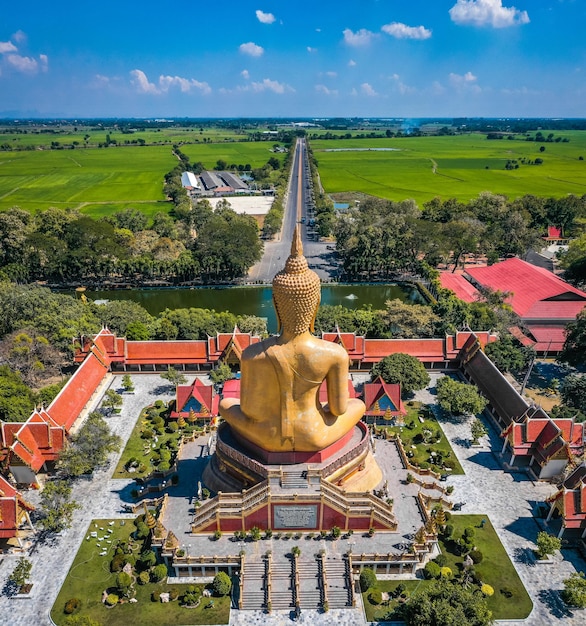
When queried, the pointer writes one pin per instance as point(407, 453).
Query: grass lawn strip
point(137, 445)
point(496, 569)
point(90, 575)
point(422, 452)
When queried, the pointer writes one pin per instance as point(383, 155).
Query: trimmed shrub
point(144, 578)
point(172, 427)
point(476, 556)
point(112, 599)
point(487, 590)
point(72, 606)
point(441, 560)
point(156, 596)
point(507, 592)
point(446, 572)
point(123, 581)
point(142, 531)
point(367, 579)
point(173, 594)
point(448, 531)
point(163, 466)
point(117, 563)
point(431, 570)
point(159, 572)
point(147, 559)
point(375, 596)
point(222, 584)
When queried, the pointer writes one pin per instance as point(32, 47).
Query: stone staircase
point(254, 588)
point(310, 583)
point(294, 480)
point(339, 582)
point(282, 586)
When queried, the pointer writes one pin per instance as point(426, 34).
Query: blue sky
point(373, 58)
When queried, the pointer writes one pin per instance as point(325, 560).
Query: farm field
point(100, 181)
point(459, 167)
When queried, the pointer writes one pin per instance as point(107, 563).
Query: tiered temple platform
point(302, 491)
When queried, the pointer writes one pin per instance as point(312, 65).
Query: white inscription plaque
point(295, 516)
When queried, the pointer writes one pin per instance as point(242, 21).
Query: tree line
point(382, 238)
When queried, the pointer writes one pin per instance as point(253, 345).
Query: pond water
point(257, 300)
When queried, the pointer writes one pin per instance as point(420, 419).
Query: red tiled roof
point(10, 503)
point(163, 352)
point(554, 232)
point(529, 285)
point(374, 391)
point(423, 349)
point(231, 388)
point(203, 393)
point(463, 289)
point(550, 338)
point(68, 404)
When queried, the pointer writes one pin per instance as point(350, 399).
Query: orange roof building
point(198, 400)
point(570, 502)
point(14, 510)
point(383, 400)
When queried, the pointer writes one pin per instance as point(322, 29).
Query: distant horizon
point(446, 58)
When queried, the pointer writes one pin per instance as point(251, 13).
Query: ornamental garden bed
point(424, 440)
point(510, 600)
point(152, 444)
point(90, 575)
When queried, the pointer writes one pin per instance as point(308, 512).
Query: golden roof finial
point(297, 244)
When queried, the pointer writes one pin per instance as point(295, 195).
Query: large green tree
point(404, 369)
point(459, 398)
point(574, 350)
point(56, 508)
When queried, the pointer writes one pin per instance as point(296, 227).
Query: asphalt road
point(298, 205)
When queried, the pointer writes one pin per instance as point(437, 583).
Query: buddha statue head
point(296, 292)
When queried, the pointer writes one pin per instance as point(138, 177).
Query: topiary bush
point(476, 556)
point(112, 599)
point(441, 560)
point(117, 563)
point(144, 578)
point(159, 572)
point(173, 594)
point(156, 596)
point(431, 570)
point(222, 584)
point(72, 606)
point(375, 596)
point(367, 579)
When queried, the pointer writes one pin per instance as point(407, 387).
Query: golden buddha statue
point(279, 408)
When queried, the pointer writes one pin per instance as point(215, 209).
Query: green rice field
point(459, 166)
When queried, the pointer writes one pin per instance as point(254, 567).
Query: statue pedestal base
point(297, 496)
point(348, 463)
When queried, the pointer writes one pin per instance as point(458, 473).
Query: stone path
point(507, 498)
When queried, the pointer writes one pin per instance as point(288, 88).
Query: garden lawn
point(90, 575)
point(422, 451)
point(136, 446)
point(496, 569)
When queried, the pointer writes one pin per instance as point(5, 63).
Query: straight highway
point(298, 210)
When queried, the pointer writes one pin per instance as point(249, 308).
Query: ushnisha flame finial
point(297, 244)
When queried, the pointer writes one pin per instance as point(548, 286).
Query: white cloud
point(310, 49)
point(437, 89)
point(44, 60)
point(7, 46)
point(361, 37)
point(351, 63)
point(487, 13)
point(318, 30)
point(19, 36)
point(141, 82)
point(184, 84)
point(402, 31)
point(326, 91)
point(251, 49)
point(245, 74)
point(331, 74)
point(458, 79)
point(394, 76)
point(271, 85)
point(368, 90)
point(23, 64)
point(265, 18)
point(406, 90)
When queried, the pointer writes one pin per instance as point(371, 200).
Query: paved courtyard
point(507, 498)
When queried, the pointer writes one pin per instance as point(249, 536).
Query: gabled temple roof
point(11, 502)
point(375, 391)
point(202, 393)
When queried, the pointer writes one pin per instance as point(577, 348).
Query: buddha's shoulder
point(256, 349)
